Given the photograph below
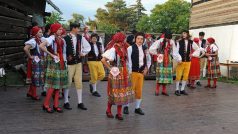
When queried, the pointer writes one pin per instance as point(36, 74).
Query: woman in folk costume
point(213, 66)
point(56, 71)
point(196, 53)
point(154, 60)
point(36, 64)
point(163, 49)
point(119, 86)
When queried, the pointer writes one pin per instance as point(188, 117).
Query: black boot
point(177, 92)
point(81, 106)
point(139, 111)
point(184, 92)
point(126, 110)
point(96, 94)
point(67, 106)
point(90, 88)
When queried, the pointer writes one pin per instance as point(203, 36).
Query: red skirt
point(194, 73)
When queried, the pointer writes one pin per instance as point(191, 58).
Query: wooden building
point(16, 18)
point(218, 19)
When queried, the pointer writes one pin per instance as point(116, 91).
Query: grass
point(230, 80)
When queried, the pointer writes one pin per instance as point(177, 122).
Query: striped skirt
point(55, 77)
point(213, 68)
point(38, 73)
point(118, 93)
point(164, 75)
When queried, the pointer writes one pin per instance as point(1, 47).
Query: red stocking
point(215, 82)
point(119, 109)
point(209, 82)
point(48, 96)
point(157, 89)
point(164, 88)
point(109, 107)
point(56, 99)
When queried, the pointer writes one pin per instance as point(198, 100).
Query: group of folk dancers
point(55, 61)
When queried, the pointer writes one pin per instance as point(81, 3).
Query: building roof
point(54, 6)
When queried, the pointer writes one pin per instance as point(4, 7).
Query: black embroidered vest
point(72, 57)
point(182, 50)
point(92, 56)
point(135, 59)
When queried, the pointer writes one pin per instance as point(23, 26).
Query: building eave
point(54, 6)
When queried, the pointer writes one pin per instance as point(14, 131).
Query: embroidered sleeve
point(50, 40)
point(175, 52)
point(129, 51)
point(153, 48)
point(109, 54)
point(31, 42)
point(214, 48)
point(148, 58)
point(85, 47)
point(64, 51)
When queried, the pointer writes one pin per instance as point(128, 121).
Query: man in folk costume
point(164, 48)
point(196, 53)
point(184, 48)
point(213, 65)
point(76, 47)
point(119, 88)
point(56, 77)
point(202, 44)
point(95, 65)
point(131, 38)
point(86, 35)
point(36, 64)
point(139, 62)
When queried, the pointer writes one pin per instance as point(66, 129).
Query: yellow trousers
point(137, 80)
point(75, 72)
point(182, 69)
point(97, 71)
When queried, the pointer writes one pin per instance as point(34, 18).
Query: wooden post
point(228, 69)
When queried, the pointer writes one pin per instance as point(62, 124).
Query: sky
point(88, 8)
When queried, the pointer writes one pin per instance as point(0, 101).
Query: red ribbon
point(208, 61)
point(122, 52)
point(60, 44)
point(166, 54)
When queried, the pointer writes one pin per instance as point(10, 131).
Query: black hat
point(168, 34)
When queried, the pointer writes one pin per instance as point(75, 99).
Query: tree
point(116, 14)
point(78, 18)
point(144, 24)
point(92, 24)
point(173, 15)
point(136, 14)
point(53, 18)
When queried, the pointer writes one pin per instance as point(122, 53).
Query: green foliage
point(118, 16)
point(108, 28)
point(77, 18)
point(53, 18)
point(145, 24)
point(173, 14)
